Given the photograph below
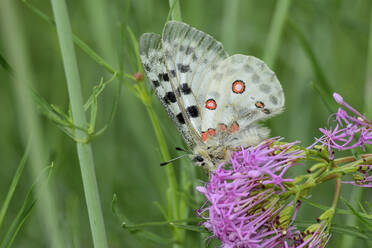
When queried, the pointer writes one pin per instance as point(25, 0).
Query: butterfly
point(215, 100)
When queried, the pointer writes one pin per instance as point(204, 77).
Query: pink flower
point(243, 204)
point(350, 131)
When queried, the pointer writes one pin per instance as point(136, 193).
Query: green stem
point(29, 123)
point(337, 194)
point(368, 82)
point(276, 27)
point(172, 181)
point(175, 7)
point(84, 150)
point(230, 20)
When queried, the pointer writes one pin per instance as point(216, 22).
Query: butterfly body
point(215, 100)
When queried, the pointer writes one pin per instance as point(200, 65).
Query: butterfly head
point(210, 157)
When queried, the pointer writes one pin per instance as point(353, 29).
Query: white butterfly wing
point(243, 91)
point(204, 90)
point(189, 54)
point(152, 59)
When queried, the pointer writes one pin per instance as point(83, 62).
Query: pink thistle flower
point(243, 204)
point(350, 131)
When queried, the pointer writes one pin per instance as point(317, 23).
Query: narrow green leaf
point(140, 233)
point(25, 210)
point(175, 10)
point(338, 211)
point(162, 209)
point(83, 46)
point(350, 230)
point(276, 27)
point(229, 24)
point(370, 207)
point(342, 229)
point(26, 214)
point(136, 49)
point(361, 217)
point(191, 228)
point(322, 85)
point(14, 184)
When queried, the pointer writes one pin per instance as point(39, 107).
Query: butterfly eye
point(199, 158)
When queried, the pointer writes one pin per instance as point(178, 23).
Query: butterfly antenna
point(173, 159)
point(181, 149)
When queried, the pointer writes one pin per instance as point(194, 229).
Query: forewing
point(189, 55)
point(150, 48)
point(244, 90)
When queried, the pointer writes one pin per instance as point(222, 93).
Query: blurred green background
point(127, 156)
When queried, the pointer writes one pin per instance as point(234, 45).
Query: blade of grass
point(20, 224)
point(275, 32)
point(140, 233)
point(14, 42)
point(322, 84)
point(175, 7)
point(81, 44)
point(230, 20)
point(14, 184)
point(27, 206)
point(85, 155)
point(368, 81)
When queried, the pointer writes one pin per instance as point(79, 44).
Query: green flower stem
point(276, 27)
point(322, 175)
point(29, 124)
point(172, 181)
point(84, 149)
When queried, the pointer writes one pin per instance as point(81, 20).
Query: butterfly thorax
point(220, 147)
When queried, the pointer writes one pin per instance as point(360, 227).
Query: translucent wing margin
point(190, 54)
point(150, 49)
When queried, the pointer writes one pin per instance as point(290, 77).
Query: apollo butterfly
point(215, 100)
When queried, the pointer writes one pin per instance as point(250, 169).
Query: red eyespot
point(211, 132)
point(211, 104)
point(204, 136)
point(238, 86)
point(259, 104)
point(234, 127)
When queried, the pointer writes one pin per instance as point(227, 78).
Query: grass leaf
point(321, 85)
point(14, 184)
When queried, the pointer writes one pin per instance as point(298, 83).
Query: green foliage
point(8, 236)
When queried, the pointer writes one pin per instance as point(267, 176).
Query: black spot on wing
point(156, 83)
point(193, 111)
point(180, 118)
point(185, 89)
point(164, 76)
point(183, 68)
point(147, 67)
point(170, 97)
point(172, 73)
